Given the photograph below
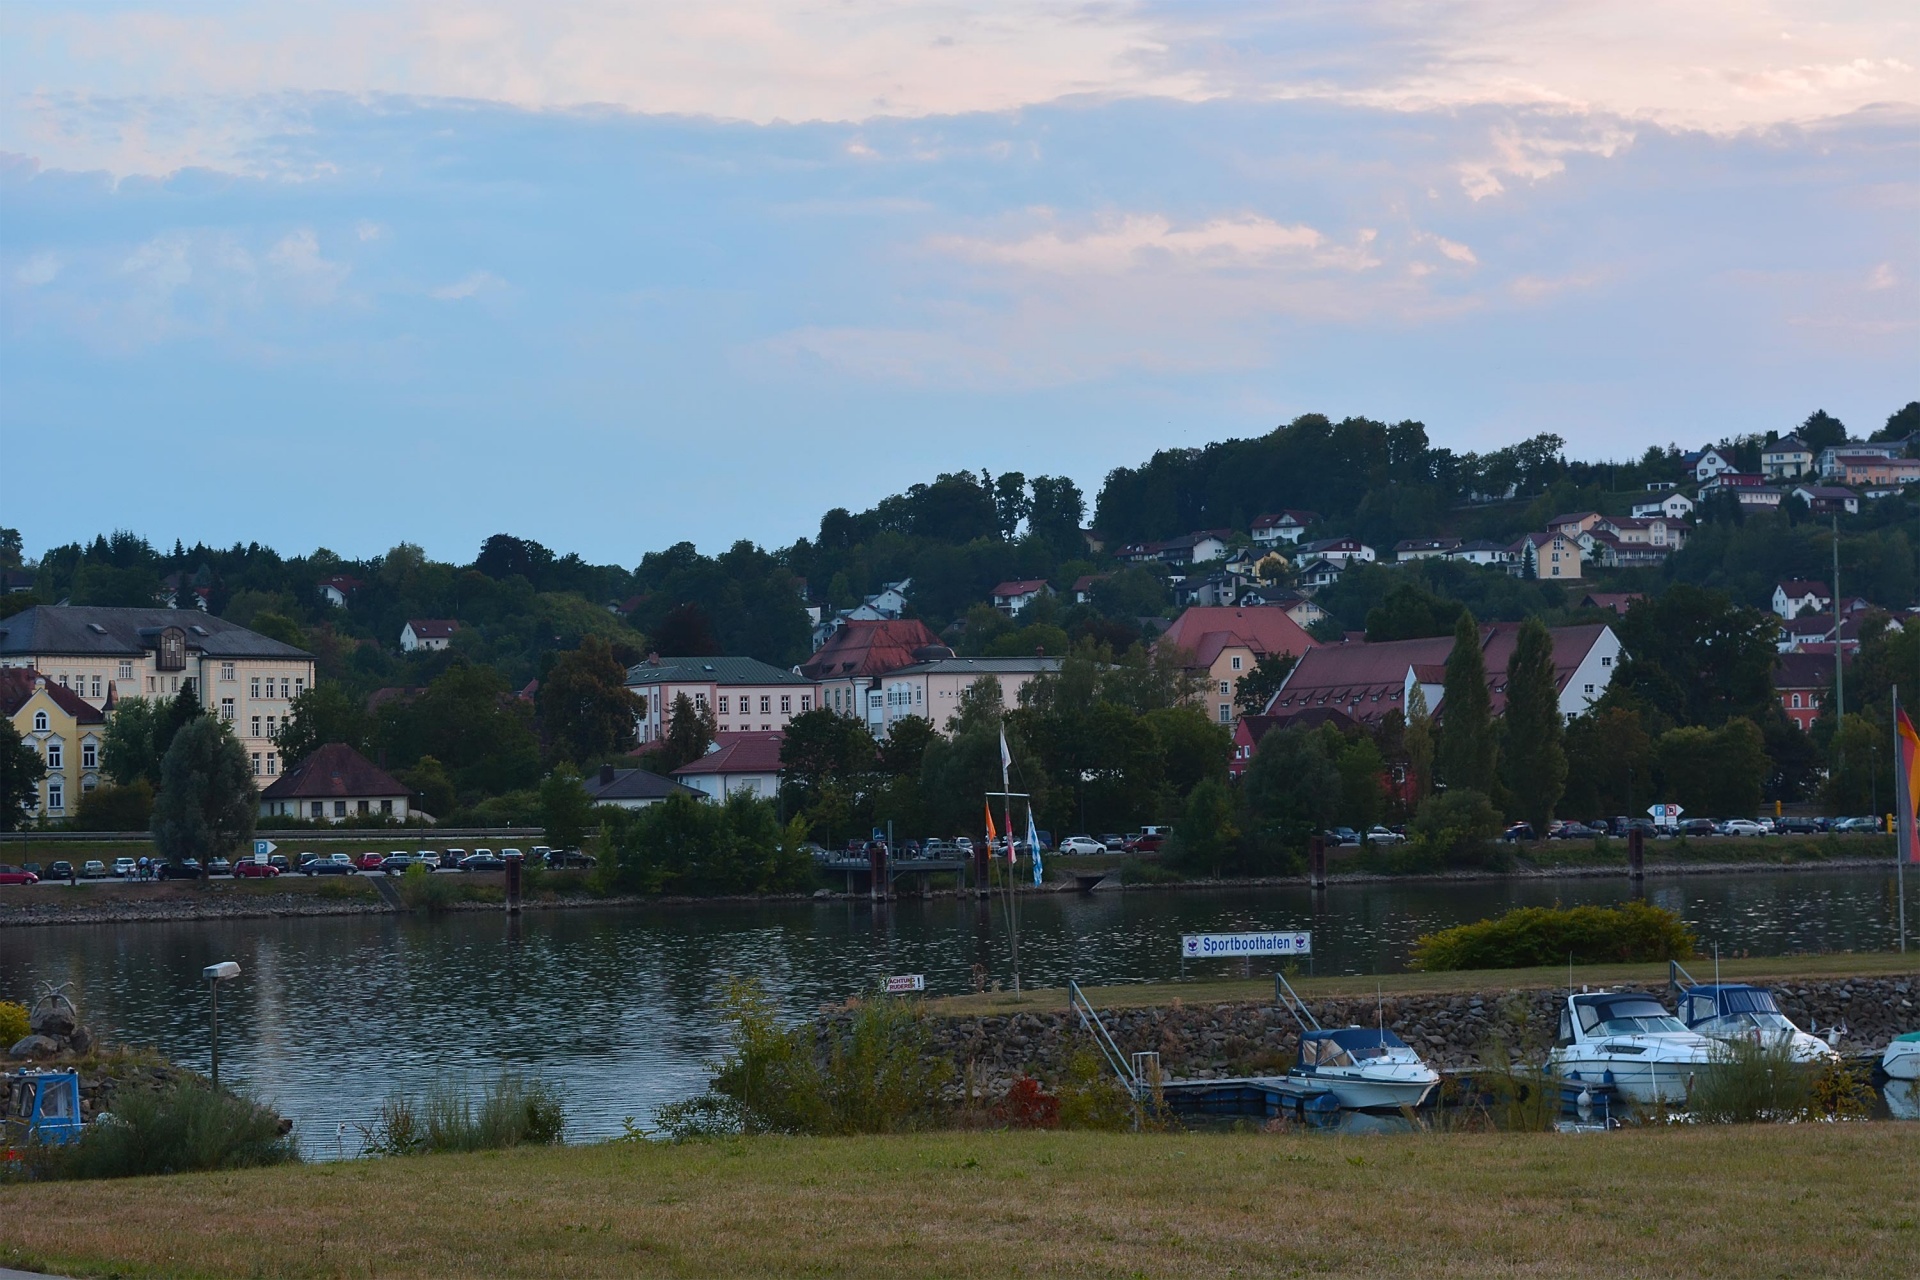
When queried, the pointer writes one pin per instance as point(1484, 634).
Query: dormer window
point(39, 722)
point(172, 655)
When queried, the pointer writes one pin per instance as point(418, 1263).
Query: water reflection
point(330, 1014)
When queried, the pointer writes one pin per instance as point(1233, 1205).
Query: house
point(1828, 499)
point(1787, 458)
point(848, 667)
point(742, 693)
point(1800, 595)
point(338, 589)
point(197, 589)
point(1656, 530)
point(1816, 632)
point(14, 582)
point(1211, 590)
point(65, 730)
point(1317, 573)
point(333, 784)
point(1221, 645)
point(1299, 607)
point(932, 689)
point(1616, 601)
point(1830, 466)
point(1423, 548)
point(1247, 732)
point(887, 604)
point(1706, 464)
point(1674, 506)
point(736, 763)
point(633, 788)
point(1345, 551)
point(1283, 526)
point(106, 654)
point(1608, 550)
point(1574, 523)
point(1871, 470)
point(1551, 555)
point(1724, 481)
point(1082, 590)
point(1011, 597)
point(1761, 497)
point(1366, 681)
point(1801, 680)
point(1482, 552)
point(1188, 548)
point(427, 633)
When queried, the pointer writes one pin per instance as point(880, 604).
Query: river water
point(331, 1014)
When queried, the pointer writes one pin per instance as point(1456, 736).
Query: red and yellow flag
point(1909, 783)
point(991, 833)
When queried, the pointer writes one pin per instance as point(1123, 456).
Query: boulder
point(81, 1041)
point(34, 1046)
point(53, 1017)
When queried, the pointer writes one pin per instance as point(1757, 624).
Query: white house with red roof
point(427, 633)
point(1796, 596)
point(737, 762)
point(1283, 526)
point(1011, 597)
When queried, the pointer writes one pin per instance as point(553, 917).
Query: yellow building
point(64, 729)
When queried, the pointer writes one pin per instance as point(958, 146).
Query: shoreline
point(195, 903)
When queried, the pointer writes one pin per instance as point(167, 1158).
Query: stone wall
point(1447, 1030)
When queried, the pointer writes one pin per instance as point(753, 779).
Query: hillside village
point(1679, 614)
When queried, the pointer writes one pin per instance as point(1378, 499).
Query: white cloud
point(1534, 153)
point(40, 268)
point(471, 285)
point(1144, 240)
point(1882, 276)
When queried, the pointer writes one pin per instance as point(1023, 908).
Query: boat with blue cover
point(1364, 1068)
point(1735, 1011)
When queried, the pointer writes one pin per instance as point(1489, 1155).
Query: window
point(273, 764)
point(253, 730)
point(253, 687)
point(806, 702)
point(56, 795)
point(96, 686)
point(56, 755)
point(172, 655)
point(256, 764)
point(766, 728)
point(386, 806)
point(1225, 687)
point(360, 806)
point(299, 685)
point(723, 704)
point(726, 728)
point(39, 722)
point(766, 705)
point(226, 710)
point(339, 808)
point(1796, 702)
point(226, 671)
point(63, 679)
point(126, 669)
point(1589, 688)
point(90, 752)
point(152, 683)
point(786, 704)
point(1226, 712)
point(270, 728)
point(699, 699)
point(1606, 662)
point(285, 686)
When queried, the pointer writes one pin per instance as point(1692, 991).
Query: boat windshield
point(1772, 1023)
point(1633, 1015)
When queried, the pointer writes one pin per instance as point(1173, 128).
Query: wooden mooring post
point(1317, 862)
point(1637, 854)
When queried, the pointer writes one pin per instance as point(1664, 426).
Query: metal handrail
point(1102, 1038)
point(1287, 998)
point(1675, 972)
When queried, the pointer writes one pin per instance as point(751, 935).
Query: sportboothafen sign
point(1230, 946)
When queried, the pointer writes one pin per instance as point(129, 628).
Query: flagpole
point(1013, 903)
point(1903, 814)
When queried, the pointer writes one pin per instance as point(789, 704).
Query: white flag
point(1006, 756)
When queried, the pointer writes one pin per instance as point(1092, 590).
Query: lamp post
point(215, 974)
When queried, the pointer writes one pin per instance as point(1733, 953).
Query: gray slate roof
point(634, 784)
point(87, 630)
point(981, 666)
point(711, 671)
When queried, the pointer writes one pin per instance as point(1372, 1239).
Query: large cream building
point(107, 655)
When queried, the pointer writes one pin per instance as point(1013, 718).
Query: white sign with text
point(1230, 946)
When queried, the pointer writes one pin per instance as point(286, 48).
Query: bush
point(13, 1023)
point(1092, 1098)
point(1751, 1082)
point(422, 890)
point(182, 1128)
point(1454, 827)
point(1529, 937)
point(511, 1111)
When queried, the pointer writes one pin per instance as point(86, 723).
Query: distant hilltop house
point(1614, 601)
point(1283, 526)
point(338, 589)
point(427, 633)
point(739, 763)
point(743, 694)
point(1871, 470)
point(336, 783)
point(1788, 458)
point(1828, 499)
point(1424, 549)
point(1363, 682)
point(1223, 644)
point(1796, 596)
point(1800, 680)
point(888, 604)
point(1012, 597)
point(1674, 506)
point(1551, 555)
point(1833, 460)
point(104, 654)
point(1706, 464)
point(1482, 552)
point(1345, 551)
point(1188, 548)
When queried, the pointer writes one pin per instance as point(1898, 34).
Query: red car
point(1147, 844)
point(247, 869)
point(369, 861)
point(17, 875)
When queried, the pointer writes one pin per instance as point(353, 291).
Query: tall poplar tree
point(1468, 756)
point(1536, 754)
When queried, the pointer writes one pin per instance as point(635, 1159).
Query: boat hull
point(1375, 1092)
point(1666, 1083)
point(1901, 1061)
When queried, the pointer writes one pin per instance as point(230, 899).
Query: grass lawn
point(1755, 1201)
point(1753, 969)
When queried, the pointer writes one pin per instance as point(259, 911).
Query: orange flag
point(1907, 778)
point(991, 833)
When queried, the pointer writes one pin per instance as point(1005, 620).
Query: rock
point(34, 1046)
point(81, 1041)
point(54, 1017)
point(823, 893)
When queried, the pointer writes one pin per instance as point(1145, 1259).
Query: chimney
point(606, 775)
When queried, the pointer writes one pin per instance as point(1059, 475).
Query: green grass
point(1808, 1200)
point(1216, 991)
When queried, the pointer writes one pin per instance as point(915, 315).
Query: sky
point(617, 275)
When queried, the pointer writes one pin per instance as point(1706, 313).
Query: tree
point(181, 712)
point(1901, 423)
point(1692, 656)
point(319, 715)
point(1822, 430)
point(1361, 768)
point(433, 790)
point(586, 709)
point(1860, 770)
point(206, 804)
point(565, 810)
point(686, 632)
point(116, 808)
point(1609, 763)
point(1208, 836)
point(1714, 773)
point(690, 730)
point(1257, 687)
point(21, 770)
point(470, 720)
point(1291, 790)
point(1468, 755)
point(128, 752)
point(1419, 745)
point(1535, 755)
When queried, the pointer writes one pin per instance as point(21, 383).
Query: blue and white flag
point(1033, 840)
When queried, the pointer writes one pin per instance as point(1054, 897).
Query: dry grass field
point(1823, 1200)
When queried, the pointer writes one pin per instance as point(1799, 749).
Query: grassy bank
point(1220, 990)
point(1808, 1200)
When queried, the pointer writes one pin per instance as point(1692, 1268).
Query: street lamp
point(215, 974)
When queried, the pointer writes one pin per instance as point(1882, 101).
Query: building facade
point(335, 783)
point(744, 694)
point(63, 729)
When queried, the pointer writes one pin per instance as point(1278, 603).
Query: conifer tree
point(1536, 755)
point(1468, 756)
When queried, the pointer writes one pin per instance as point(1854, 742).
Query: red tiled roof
point(869, 648)
point(18, 683)
point(1020, 587)
point(334, 772)
point(1618, 601)
point(739, 753)
point(1795, 588)
point(1204, 630)
point(432, 628)
point(1802, 671)
point(1278, 517)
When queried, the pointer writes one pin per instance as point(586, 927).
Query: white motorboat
point(1364, 1067)
point(1627, 1039)
point(1734, 1011)
point(1901, 1059)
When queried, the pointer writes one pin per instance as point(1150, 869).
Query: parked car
point(452, 857)
point(1518, 831)
point(326, 867)
point(1082, 845)
point(1384, 835)
point(1743, 827)
point(369, 861)
point(1575, 831)
point(60, 870)
point(1114, 843)
point(219, 867)
point(279, 863)
point(1152, 843)
point(1796, 827)
point(342, 859)
point(396, 863)
point(482, 860)
point(565, 859)
point(248, 869)
point(185, 869)
point(513, 855)
point(124, 867)
point(94, 869)
point(1698, 827)
point(17, 875)
point(1858, 824)
point(964, 844)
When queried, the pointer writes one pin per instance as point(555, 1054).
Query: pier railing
point(1102, 1038)
point(1287, 998)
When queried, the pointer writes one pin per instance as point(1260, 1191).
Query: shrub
point(1454, 827)
point(13, 1023)
point(422, 890)
point(1028, 1106)
point(1532, 936)
point(1750, 1082)
point(510, 1111)
point(1091, 1098)
point(182, 1128)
